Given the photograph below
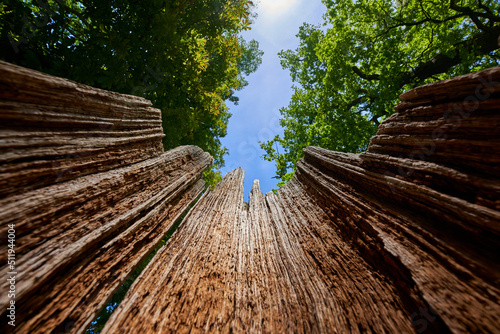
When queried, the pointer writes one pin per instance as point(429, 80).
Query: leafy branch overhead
point(350, 74)
point(185, 56)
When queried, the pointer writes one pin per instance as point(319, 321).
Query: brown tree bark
point(378, 242)
point(402, 238)
point(86, 184)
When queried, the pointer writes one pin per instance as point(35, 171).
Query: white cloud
point(276, 8)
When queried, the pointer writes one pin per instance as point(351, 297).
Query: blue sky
point(256, 118)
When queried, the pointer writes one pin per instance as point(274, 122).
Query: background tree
point(185, 56)
point(349, 77)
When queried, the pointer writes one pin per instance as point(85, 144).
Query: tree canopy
point(349, 76)
point(184, 56)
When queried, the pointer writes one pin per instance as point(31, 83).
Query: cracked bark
point(350, 244)
point(402, 238)
point(85, 180)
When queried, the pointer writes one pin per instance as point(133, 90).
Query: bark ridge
point(90, 191)
point(404, 238)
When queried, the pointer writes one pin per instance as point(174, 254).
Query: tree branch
point(416, 23)
point(468, 11)
point(374, 119)
point(474, 16)
point(486, 42)
point(356, 101)
point(485, 8)
point(364, 75)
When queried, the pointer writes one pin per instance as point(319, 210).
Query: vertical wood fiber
point(404, 238)
point(84, 178)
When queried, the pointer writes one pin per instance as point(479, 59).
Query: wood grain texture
point(404, 238)
point(440, 252)
point(374, 242)
point(54, 130)
point(78, 244)
point(453, 123)
point(85, 180)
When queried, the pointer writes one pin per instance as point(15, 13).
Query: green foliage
point(185, 56)
point(350, 77)
point(212, 178)
point(250, 60)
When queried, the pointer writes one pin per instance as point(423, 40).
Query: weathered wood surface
point(453, 123)
point(403, 238)
point(91, 193)
point(54, 130)
point(385, 241)
point(276, 266)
